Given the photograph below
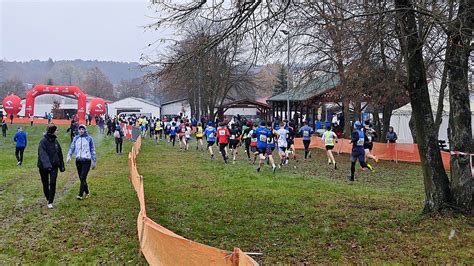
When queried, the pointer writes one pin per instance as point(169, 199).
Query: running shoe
point(370, 168)
point(50, 205)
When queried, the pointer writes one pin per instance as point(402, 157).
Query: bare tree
point(132, 88)
point(206, 78)
point(12, 86)
point(97, 84)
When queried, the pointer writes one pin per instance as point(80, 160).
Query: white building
point(135, 105)
point(174, 108)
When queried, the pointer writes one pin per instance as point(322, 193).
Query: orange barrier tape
point(161, 246)
point(385, 151)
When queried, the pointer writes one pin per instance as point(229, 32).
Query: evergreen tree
point(282, 82)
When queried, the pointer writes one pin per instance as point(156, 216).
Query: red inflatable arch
point(40, 89)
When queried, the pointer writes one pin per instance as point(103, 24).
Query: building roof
point(245, 103)
point(140, 100)
point(308, 90)
point(174, 101)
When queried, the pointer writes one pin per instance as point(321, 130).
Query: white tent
point(402, 115)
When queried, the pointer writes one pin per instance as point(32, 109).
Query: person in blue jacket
point(21, 142)
point(262, 133)
point(358, 152)
point(306, 132)
point(211, 134)
point(83, 147)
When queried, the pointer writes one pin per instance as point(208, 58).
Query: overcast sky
point(74, 29)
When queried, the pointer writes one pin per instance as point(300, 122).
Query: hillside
point(66, 71)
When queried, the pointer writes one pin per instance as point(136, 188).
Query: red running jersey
point(223, 135)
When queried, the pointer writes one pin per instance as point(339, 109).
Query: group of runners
point(261, 141)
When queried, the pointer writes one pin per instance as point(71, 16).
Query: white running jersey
point(282, 136)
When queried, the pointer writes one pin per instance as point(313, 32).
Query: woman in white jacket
point(84, 149)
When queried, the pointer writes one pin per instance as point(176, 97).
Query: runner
point(253, 143)
point(199, 134)
point(282, 134)
point(223, 135)
point(173, 131)
point(246, 137)
point(187, 135)
point(211, 138)
point(370, 134)
point(306, 132)
point(329, 139)
point(271, 145)
point(357, 140)
point(291, 141)
point(158, 130)
point(234, 140)
point(181, 135)
point(261, 133)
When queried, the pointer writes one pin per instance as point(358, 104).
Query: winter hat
point(82, 126)
point(51, 129)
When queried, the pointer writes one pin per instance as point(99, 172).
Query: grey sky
point(75, 29)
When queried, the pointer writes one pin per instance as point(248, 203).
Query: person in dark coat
point(73, 129)
point(50, 160)
point(4, 128)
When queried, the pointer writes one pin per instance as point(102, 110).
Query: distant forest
point(36, 71)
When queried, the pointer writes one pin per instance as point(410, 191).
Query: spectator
point(11, 118)
point(31, 119)
point(50, 159)
point(73, 129)
point(118, 135)
point(21, 142)
point(83, 147)
point(391, 136)
point(4, 128)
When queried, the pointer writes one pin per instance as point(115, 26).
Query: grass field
point(307, 214)
point(98, 230)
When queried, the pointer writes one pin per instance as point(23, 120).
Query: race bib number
point(360, 142)
point(263, 138)
point(232, 137)
point(329, 141)
point(222, 132)
point(305, 133)
point(211, 135)
point(253, 139)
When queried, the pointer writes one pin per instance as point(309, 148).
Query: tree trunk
point(436, 182)
point(357, 111)
point(411, 125)
point(462, 184)
point(387, 115)
point(378, 127)
point(347, 122)
point(442, 89)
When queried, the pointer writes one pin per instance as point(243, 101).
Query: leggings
point(222, 150)
point(247, 147)
point(83, 168)
point(306, 147)
point(48, 178)
point(19, 154)
point(118, 145)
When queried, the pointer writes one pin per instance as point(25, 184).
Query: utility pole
point(288, 114)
